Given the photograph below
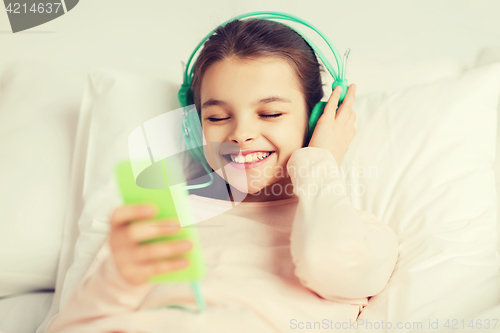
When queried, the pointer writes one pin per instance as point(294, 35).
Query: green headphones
point(191, 125)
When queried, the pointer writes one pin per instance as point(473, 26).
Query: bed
point(65, 84)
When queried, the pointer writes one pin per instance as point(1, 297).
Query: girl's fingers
point(128, 213)
point(347, 104)
point(162, 266)
point(144, 230)
point(352, 119)
point(333, 101)
point(161, 250)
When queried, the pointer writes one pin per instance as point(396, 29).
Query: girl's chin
point(245, 185)
point(247, 188)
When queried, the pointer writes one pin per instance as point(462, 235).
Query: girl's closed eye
point(214, 120)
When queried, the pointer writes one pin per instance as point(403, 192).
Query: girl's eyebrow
point(266, 100)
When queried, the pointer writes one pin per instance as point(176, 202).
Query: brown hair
point(254, 38)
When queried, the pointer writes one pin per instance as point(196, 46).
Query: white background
point(157, 35)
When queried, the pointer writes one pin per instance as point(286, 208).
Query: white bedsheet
point(25, 312)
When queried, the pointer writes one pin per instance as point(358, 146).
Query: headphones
point(191, 126)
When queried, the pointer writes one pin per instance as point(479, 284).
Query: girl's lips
point(242, 166)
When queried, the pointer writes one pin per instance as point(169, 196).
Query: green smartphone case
point(160, 196)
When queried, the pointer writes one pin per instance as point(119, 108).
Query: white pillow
point(372, 75)
point(432, 147)
point(37, 119)
point(400, 133)
point(488, 56)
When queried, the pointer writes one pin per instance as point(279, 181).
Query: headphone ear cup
point(182, 95)
point(194, 137)
point(316, 113)
point(185, 96)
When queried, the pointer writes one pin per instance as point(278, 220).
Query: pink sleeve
point(102, 293)
point(338, 251)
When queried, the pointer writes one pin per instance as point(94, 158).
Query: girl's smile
point(247, 161)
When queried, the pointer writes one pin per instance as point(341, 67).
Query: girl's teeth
point(249, 158)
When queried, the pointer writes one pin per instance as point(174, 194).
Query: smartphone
point(155, 190)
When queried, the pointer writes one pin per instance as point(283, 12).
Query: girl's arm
point(102, 293)
point(338, 251)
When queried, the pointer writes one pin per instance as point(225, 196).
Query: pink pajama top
point(277, 266)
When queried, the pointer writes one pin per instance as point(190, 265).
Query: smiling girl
point(254, 86)
point(279, 259)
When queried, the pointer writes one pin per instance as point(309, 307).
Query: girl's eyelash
point(276, 115)
point(214, 120)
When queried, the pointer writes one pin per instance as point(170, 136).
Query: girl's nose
point(243, 131)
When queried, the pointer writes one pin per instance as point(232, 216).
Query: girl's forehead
point(263, 68)
point(251, 78)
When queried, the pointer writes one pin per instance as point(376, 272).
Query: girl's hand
point(335, 131)
point(136, 263)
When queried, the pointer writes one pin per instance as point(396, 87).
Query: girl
point(294, 253)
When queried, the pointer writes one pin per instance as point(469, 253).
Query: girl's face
point(254, 105)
